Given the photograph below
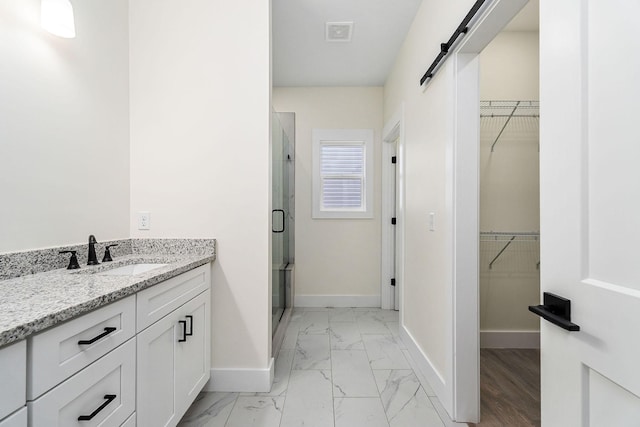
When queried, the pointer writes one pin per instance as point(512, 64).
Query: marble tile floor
point(338, 367)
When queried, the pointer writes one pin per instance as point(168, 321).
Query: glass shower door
point(279, 219)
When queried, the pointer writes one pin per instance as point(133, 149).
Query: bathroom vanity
point(112, 345)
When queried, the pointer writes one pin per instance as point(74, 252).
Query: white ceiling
point(528, 19)
point(302, 57)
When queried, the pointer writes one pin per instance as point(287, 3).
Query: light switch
point(432, 221)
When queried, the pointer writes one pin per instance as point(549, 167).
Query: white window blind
point(342, 169)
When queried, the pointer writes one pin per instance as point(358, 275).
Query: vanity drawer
point(60, 352)
point(105, 389)
point(19, 419)
point(157, 301)
point(13, 377)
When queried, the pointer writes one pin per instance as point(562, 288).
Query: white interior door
point(590, 198)
point(394, 237)
point(391, 224)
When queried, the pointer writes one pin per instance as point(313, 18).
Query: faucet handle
point(73, 261)
point(107, 253)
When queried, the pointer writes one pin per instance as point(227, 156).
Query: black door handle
point(110, 398)
point(184, 330)
point(556, 310)
point(106, 332)
point(273, 222)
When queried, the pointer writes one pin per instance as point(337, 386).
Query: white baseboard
point(241, 380)
point(337, 301)
point(425, 369)
point(509, 339)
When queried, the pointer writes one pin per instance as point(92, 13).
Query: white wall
point(64, 127)
point(199, 141)
point(509, 185)
point(334, 257)
point(510, 67)
point(200, 156)
point(426, 303)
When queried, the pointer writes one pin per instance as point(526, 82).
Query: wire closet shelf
point(503, 239)
point(501, 113)
point(510, 109)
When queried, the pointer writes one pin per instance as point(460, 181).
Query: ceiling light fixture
point(56, 16)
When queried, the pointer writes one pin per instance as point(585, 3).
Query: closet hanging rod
point(508, 115)
point(502, 236)
point(505, 125)
point(509, 104)
point(510, 233)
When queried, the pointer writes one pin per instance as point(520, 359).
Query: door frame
point(463, 160)
point(392, 176)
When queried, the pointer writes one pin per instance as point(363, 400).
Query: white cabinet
point(58, 353)
point(173, 362)
point(102, 394)
point(94, 371)
point(193, 356)
point(13, 374)
point(19, 419)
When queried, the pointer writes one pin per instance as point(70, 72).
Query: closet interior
point(509, 261)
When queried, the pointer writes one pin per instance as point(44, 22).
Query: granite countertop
point(33, 302)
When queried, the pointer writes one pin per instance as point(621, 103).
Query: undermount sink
point(131, 270)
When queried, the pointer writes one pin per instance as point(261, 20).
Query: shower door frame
point(287, 271)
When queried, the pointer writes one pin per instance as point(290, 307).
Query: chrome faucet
point(92, 259)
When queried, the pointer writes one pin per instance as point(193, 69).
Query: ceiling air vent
point(339, 31)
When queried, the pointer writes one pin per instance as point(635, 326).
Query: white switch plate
point(432, 221)
point(144, 220)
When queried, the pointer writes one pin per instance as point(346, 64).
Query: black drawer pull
point(190, 326)
point(109, 398)
point(556, 310)
point(184, 330)
point(106, 332)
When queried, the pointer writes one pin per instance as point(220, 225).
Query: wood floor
point(509, 388)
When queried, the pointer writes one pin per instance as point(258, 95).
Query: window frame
point(362, 137)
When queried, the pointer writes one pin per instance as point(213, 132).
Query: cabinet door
point(173, 363)
point(156, 381)
point(193, 365)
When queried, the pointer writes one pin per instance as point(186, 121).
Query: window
point(342, 173)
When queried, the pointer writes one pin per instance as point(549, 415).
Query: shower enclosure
point(282, 214)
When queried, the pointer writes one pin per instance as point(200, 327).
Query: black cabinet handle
point(556, 310)
point(109, 398)
point(273, 222)
point(106, 332)
point(188, 334)
point(184, 330)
